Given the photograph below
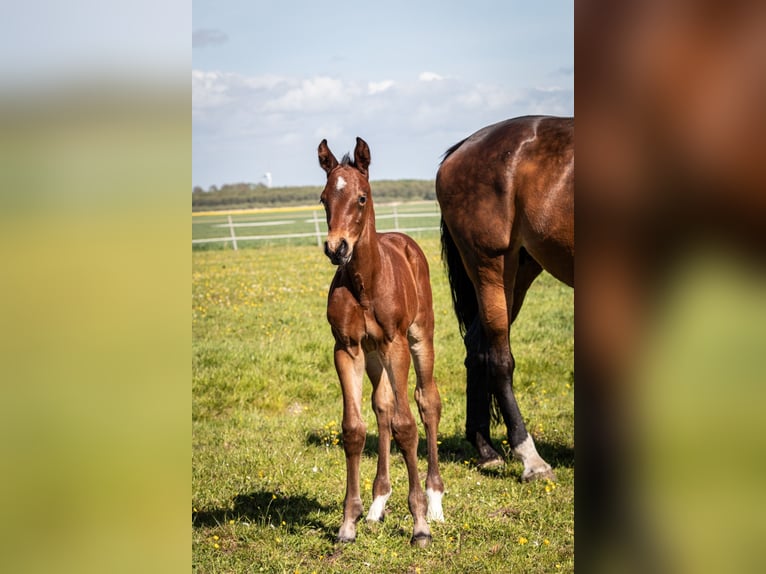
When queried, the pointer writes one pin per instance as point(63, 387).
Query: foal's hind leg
point(405, 433)
point(383, 406)
point(430, 408)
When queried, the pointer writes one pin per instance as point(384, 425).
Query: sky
point(271, 79)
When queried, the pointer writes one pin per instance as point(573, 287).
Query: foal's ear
point(362, 156)
point(326, 160)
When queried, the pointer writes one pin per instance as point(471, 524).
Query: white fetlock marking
point(435, 511)
point(533, 462)
point(378, 507)
point(526, 450)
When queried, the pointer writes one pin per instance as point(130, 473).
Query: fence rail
point(388, 213)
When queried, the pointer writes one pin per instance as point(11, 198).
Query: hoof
point(420, 540)
point(539, 474)
point(345, 540)
point(490, 462)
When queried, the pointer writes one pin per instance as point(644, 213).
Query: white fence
point(318, 232)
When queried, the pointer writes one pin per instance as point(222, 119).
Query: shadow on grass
point(455, 449)
point(265, 507)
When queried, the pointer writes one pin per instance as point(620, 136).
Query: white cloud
point(208, 89)
point(248, 124)
point(429, 77)
point(315, 94)
point(378, 87)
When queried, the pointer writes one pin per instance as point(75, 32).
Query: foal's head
point(347, 200)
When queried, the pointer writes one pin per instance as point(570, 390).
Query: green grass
point(268, 471)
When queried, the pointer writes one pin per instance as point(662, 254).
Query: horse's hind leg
point(528, 271)
point(477, 367)
point(534, 466)
point(430, 408)
point(477, 420)
point(383, 406)
point(493, 310)
point(405, 433)
point(350, 366)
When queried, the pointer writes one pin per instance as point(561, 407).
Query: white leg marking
point(526, 450)
point(533, 462)
point(378, 507)
point(435, 511)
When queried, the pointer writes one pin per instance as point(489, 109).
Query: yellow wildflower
point(522, 540)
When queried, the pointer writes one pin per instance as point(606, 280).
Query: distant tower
point(267, 177)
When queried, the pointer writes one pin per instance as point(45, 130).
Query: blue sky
point(270, 79)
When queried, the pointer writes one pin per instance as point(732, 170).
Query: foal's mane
point(346, 160)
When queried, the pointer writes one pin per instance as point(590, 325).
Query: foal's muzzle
point(338, 251)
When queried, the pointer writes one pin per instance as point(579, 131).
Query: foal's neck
point(365, 261)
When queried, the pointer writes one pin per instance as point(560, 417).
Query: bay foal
point(380, 310)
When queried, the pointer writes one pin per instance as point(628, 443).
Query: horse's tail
point(463, 300)
point(463, 294)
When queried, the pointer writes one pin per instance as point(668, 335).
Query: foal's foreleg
point(349, 363)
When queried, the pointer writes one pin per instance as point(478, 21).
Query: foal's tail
point(463, 294)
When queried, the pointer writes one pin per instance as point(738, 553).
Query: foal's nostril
point(336, 251)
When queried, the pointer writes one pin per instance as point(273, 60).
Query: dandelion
point(522, 540)
point(550, 486)
point(231, 522)
point(216, 546)
point(215, 537)
point(546, 541)
point(273, 497)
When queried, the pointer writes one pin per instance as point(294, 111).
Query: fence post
point(233, 236)
point(316, 227)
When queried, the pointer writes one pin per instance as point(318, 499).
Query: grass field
point(268, 474)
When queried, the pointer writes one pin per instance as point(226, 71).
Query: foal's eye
point(362, 200)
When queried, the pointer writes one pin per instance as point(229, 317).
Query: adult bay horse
point(380, 310)
point(507, 200)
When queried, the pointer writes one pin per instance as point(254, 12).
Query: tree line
point(250, 195)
